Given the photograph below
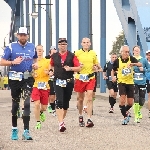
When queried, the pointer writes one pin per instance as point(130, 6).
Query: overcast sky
point(113, 24)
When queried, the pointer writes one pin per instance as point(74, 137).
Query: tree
point(120, 41)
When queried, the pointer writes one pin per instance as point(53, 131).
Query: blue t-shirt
point(27, 52)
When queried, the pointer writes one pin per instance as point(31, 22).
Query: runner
point(124, 67)
point(20, 56)
point(52, 98)
point(85, 80)
point(140, 84)
point(112, 86)
point(148, 81)
point(40, 92)
point(64, 64)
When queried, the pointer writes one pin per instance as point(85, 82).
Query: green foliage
point(120, 41)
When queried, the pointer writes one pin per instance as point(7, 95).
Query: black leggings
point(139, 94)
point(16, 87)
point(63, 95)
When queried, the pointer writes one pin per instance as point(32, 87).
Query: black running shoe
point(89, 123)
point(81, 122)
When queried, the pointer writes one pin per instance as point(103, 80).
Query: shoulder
point(78, 52)
point(31, 45)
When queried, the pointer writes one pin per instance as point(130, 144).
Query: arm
point(134, 62)
point(77, 66)
point(5, 58)
point(104, 71)
point(114, 69)
point(147, 66)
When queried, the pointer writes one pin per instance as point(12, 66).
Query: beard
point(23, 42)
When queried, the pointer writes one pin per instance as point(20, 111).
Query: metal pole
point(47, 28)
point(57, 21)
point(102, 41)
point(90, 23)
point(69, 24)
point(21, 14)
point(83, 20)
point(27, 17)
point(33, 22)
point(39, 23)
point(50, 15)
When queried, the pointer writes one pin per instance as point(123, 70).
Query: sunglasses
point(62, 44)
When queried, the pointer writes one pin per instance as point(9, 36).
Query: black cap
point(62, 40)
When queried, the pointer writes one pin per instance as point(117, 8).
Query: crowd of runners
point(49, 81)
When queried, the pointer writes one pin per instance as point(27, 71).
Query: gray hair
point(121, 49)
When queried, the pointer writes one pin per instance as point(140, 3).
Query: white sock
point(14, 128)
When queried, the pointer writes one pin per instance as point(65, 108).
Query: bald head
point(86, 43)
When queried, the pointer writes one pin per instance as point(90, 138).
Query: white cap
point(23, 30)
point(148, 51)
point(53, 47)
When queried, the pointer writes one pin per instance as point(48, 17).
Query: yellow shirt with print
point(40, 75)
point(5, 80)
point(88, 59)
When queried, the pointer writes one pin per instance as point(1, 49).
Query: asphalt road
point(107, 134)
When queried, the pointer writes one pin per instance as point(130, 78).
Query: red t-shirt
point(63, 58)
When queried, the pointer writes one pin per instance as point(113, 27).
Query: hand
point(114, 79)
point(67, 68)
point(17, 61)
point(35, 66)
point(131, 65)
point(141, 68)
point(46, 71)
point(95, 68)
point(105, 78)
point(100, 70)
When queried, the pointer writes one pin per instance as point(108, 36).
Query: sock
point(52, 106)
point(14, 121)
point(14, 128)
point(128, 107)
point(26, 120)
point(136, 109)
point(111, 101)
point(140, 107)
point(123, 110)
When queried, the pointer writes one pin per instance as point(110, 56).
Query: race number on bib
point(42, 85)
point(138, 76)
point(126, 71)
point(84, 77)
point(61, 83)
point(15, 75)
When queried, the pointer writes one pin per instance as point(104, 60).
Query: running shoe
point(38, 125)
point(14, 134)
point(50, 109)
point(81, 122)
point(125, 121)
point(54, 113)
point(42, 117)
point(89, 123)
point(26, 135)
point(137, 120)
point(111, 110)
point(62, 127)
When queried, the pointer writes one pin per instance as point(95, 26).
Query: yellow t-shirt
point(5, 80)
point(40, 75)
point(88, 59)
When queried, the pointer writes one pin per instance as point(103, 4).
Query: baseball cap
point(22, 30)
point(62, 40)
point(147, 51)
point(52, 47)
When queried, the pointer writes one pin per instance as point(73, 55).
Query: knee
point(59, 104)
point(122, 100)
point(36, 104)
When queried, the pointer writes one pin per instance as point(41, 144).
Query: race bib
point(138, 76)
point(15, 75)
point(61, 83)
point(42, 85)
point(126, 71)
point(110, 78)
point(84, 77)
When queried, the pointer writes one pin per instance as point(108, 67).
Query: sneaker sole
point(90, 125)
point(63, 129)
